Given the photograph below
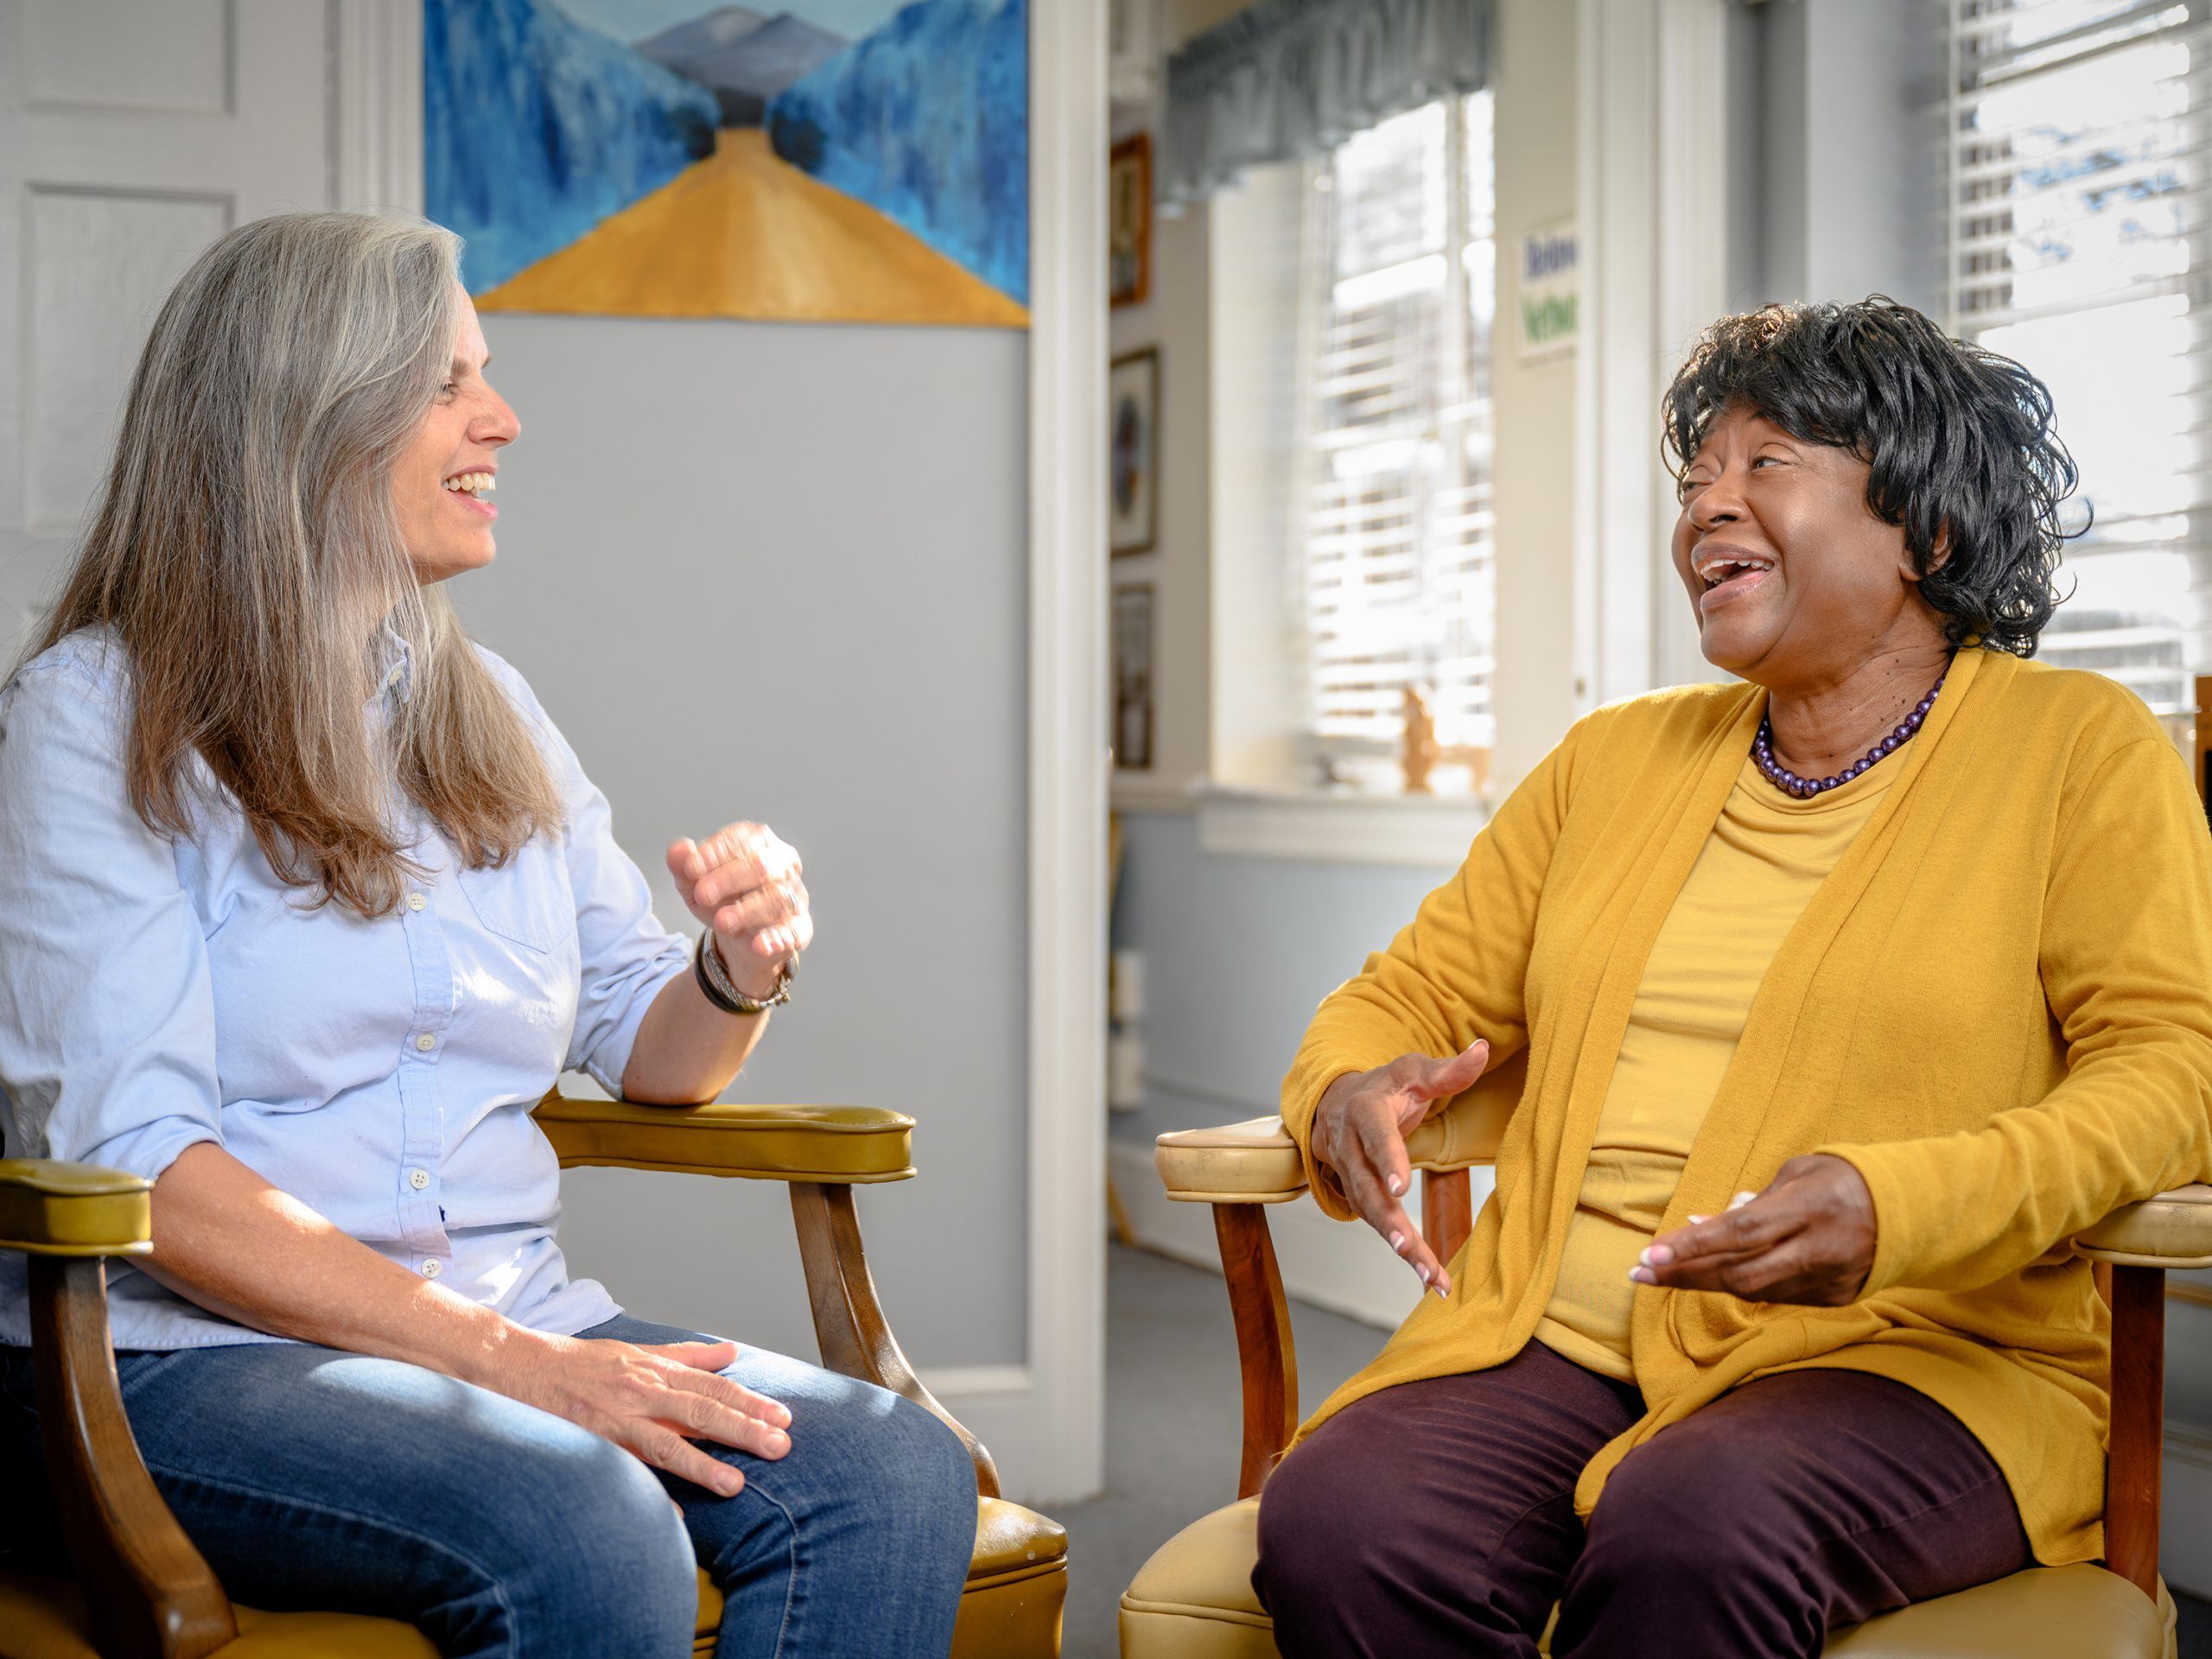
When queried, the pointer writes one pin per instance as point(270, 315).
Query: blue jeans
point(314, 1478)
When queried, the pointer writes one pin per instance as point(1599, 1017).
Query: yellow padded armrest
point(1252, 1162)
point(56, 1208)
point(841, 1144)
point(1256, 1161)
point(2171, 1231)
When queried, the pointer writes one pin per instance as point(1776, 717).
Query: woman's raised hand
point(1360, 1129)
point(743, 881)
point(652, 1400)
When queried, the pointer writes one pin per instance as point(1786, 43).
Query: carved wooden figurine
point(1419, 752)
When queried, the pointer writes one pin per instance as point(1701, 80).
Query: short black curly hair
point(1954, 437)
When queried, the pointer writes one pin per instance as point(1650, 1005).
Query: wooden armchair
point(1193, 1600)
point(142, 1592)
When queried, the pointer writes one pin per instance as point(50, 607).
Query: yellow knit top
point(1765, 857)
point(1998, 1007)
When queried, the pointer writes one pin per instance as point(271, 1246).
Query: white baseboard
point(996, 1403)
point(1338, 1265)
point(2185, 1511)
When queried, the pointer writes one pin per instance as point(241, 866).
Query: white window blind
point(1393, 546)
point(2078, 246)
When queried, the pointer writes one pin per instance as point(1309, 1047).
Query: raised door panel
point(99, 265)
point(175, 56)
point(131, 134)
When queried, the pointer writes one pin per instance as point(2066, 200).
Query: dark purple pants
point(1437, 1517)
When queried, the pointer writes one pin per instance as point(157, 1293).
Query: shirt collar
point(396, 665)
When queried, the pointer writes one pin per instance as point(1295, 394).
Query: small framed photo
point(1128, 224)
point(1132, 437)
point(1133, 677)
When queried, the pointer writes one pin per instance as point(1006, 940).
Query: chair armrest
point(1252, 1162)
point(1257, 1162)
point(1237, 1167)
point(2173, 1229)
point(2133, 1247)
point(821, 1152)
point(56, 1208)
point(147, 1590)
point(836, 1145)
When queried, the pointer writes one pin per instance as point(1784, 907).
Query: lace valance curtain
point(1290, 78)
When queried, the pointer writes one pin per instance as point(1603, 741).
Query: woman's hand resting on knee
point(217, 1226)
point(651, 1401)
point(1360, 1129)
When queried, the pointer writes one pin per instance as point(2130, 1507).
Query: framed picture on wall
point(871, 155)
point(1133, 458)
point(1128, 224)
point(1133, 677)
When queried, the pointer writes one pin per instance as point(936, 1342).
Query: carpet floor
point(1173, 1426)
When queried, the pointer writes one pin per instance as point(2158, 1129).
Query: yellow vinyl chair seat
point(1193, 1600)
point(1016, 1581)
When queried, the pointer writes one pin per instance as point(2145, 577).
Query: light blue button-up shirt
point(154, 993)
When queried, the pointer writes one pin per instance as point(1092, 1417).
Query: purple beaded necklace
point(1805, 788)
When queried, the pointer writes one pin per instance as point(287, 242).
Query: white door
point(132, 133)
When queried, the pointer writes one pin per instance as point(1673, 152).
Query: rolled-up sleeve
point(107, 1026)
point(627, 956)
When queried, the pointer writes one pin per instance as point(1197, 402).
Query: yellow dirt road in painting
point(745, 234)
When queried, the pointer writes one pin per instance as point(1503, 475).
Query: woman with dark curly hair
point(1836, 998)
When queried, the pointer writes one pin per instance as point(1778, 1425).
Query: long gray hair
point(247, 554)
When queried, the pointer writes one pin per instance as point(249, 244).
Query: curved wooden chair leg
point(849, 1327)
point(1447, 1211)
point(150, 1594)
point(1264, 1345)
point(2132, 1456)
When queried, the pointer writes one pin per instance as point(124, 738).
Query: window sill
point(1424, 831)
point(1146, 791)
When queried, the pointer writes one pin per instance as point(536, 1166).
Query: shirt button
point(426, 1042)
point(415, 901)
point(418, 1179)
point(433, 1267)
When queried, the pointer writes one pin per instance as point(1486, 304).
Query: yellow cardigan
point(1998, 1007)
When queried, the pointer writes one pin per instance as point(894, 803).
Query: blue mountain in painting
point(927, 120)
point(743, 66)
point(539, 127)
point(709, 32)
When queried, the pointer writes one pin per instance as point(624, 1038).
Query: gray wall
point(1834, 180)
point(1239, 951)
point(778, 572)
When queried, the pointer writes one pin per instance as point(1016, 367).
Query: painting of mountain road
point(828, 161)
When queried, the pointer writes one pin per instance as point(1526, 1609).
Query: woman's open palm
point(1360, 1129)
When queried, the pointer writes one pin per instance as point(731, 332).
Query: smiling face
point(1796, 583)
point(450, 461)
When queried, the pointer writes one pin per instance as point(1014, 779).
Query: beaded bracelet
point(713, 975)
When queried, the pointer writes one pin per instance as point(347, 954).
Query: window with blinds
point(1392, 551)
point(2078, 246)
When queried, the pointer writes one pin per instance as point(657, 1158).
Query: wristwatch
point(713, 975)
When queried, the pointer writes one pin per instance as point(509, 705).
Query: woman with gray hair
point(304, 903)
